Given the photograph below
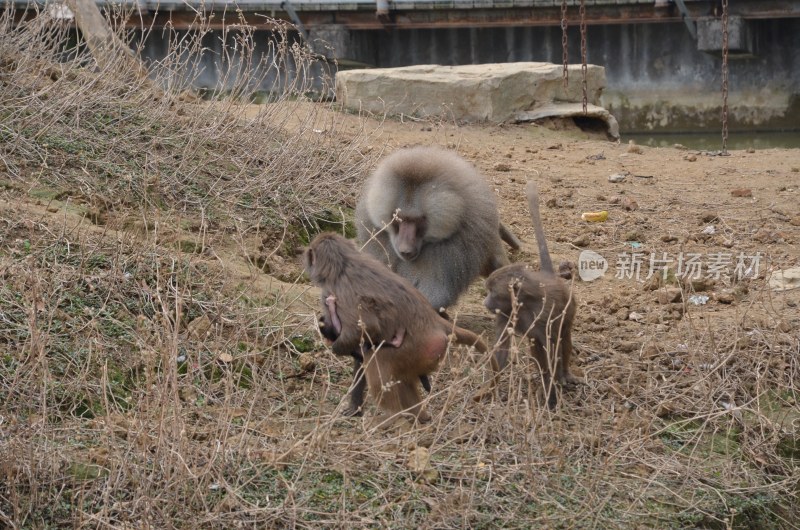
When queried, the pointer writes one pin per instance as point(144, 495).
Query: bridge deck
point(407, 14)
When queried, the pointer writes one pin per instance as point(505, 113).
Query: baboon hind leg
point(356, 394)
point(563, 375)
point(412, 402)
point(549, 391)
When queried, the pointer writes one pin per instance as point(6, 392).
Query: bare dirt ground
point(665, 206)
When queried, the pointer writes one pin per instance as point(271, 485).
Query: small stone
point(552, 202)
point(680, 147)
point(750, 150)
point(669, 295)
point(630, 204)
point(634, 236)
point(701, 284)
point(709, 218)
point(633, 148)
point(307, 362)
point(795, 221)
point(742, 192)
point(636, 317)
point(615, 199)
point(616, 177)
point(501, 166)
point(724, 297)
point(669, 238)
point(690, 158)
point(581, 241)
point(627, 346)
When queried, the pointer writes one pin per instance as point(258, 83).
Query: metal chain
point(725, 77)
point(583, 54)
point(565, 75)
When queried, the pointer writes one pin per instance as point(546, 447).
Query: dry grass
point(144, 384)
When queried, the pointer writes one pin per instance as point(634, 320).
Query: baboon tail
point(468, 338)
point(508, 237)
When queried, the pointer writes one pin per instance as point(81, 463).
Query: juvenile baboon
point(433, 218)
point(331, 326)
point(539, 306)
point(374, 306)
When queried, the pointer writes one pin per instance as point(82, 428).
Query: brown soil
point(668, 198)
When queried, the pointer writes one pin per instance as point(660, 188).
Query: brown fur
point(376, 306)
point(541, 307)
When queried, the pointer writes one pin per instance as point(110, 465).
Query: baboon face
point(407, 234)
point(499, 288)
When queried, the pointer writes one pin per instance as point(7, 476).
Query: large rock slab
point(470, 93)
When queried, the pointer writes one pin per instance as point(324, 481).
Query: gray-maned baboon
point(330, 327)
point(374, 306)
point(541, 307)
point(433, 218)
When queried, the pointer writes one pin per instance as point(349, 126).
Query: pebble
point(500, 166)
point(724, 297)
point(634, 236)
point(307, 362)
point(581, 241)
point(669, 295)
point(616, 177)
point(742, 192)
point(633, 148)
point(630, 204)
point(636, 317)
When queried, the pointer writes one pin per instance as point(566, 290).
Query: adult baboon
point(433, 218)
point(374, 306)
point(541, 307)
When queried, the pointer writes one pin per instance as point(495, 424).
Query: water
point(713, 141)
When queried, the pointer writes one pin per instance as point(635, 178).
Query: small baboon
point(433, 218)
point(373, 306)
point(331, 326)
point(539, 306)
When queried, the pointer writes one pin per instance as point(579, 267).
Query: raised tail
point(533, 204)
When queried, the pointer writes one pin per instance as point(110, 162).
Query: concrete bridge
point(438, 14)
point(662, 57)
